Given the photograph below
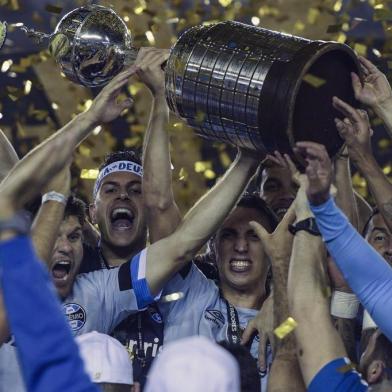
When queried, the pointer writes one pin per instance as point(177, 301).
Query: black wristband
point(308, 225)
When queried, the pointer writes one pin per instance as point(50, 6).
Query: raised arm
point(355, 130)
point(318, 342)
point(50, 215)
point(285, 373)
point(31, 173)
point(8, 156)
point(367, 273)
point(163, 215)
point(375, 91)
point(169, 255)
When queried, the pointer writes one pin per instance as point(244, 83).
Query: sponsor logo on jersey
point(76, 315)
point(155, 315)
point(215, 316)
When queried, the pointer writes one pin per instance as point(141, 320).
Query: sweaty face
point(380, 237)
point(118, 209)
point(241, 260)
point(277, 189)
point(67, 255)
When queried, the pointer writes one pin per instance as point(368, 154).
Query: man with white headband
point(118, 209)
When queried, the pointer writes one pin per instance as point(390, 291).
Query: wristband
point(368, 322)
point(344, 305)
point(54, 196)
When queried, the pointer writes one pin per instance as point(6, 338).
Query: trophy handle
point(37, 36)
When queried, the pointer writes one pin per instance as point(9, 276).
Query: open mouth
point(61, 270)
point(281, 211)
point(122, 218)
point(240, 265)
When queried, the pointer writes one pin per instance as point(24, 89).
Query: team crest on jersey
point(215, 316)
point(155, 315)
point(76, 316)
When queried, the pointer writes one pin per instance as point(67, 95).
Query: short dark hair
point(76, 207)
point(253, 200)
point(249, 374)
point(125, 155)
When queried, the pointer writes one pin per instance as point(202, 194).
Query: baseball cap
point(106, 360)
point(194, 364)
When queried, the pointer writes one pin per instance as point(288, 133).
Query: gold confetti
point(384, 143)
point(183, 174)
point(313, 15)
point(255, 20)
point(313, 80)
point(6, 65)
point(360, 49)
point(150, 37)
point(172, 297)
point(27, 87)
point(85, 151)
point(299, 26)
point(387, 170)
point(225, 3)
point(341, 38)
point(209, 174)
point(97, 130)
point(285, 328)
point(89, 174)
point(200, 116)
point(202, 166)
point(225, 159)
point(338, 6)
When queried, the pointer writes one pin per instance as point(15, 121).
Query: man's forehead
point(378, 222)
point(70, 223)
point(241, 216)
point(274, 171)
point(122, 177)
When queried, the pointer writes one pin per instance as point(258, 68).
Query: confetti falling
point(314, 80)
point(172, 297)
point(285, 328)
point(157, 22)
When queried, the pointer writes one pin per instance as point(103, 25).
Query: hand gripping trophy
point(248, 86)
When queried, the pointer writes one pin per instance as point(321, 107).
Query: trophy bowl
point(259, 89)
point(91, 44)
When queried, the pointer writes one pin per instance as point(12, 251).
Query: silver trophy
point(248, 86)
point(91, 44)
point(259, 89)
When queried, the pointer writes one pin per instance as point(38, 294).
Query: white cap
point(105, 359)
point(194, 364)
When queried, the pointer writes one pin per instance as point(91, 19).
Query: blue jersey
point(338, 376)
point(201, 310)
point(98, 302)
